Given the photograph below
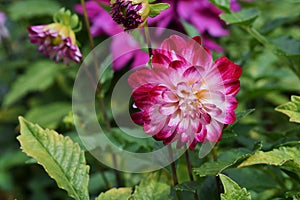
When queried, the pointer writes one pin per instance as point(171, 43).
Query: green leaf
point(246, 16)
point(115, 193)
point(62, 159)
point(222, 4)
point(32, 8)
point(287, 45)
point(190, 186)
point(155, 9)
point(37, 78)
point(232, 190)
point(190, 29)
point(283, 156)
point(214, 168)
point(153, 187)
point(292, 194)
point(291, 109)
point(49, 115)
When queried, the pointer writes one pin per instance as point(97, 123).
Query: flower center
point(190, 100)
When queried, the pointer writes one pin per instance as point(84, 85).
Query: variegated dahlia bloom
point(56, 41)
point(130, 13)
point(185, 96)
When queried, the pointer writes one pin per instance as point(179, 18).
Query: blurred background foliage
point(33, 86)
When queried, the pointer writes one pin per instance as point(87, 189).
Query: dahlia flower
point(3, 30)
point(185, 96)
point(130, 13)
point(57, 40)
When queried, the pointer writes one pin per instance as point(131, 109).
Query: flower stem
point(174, 173)
point(189, 166)
point(146, 29)
point(102, 103)
point(218, 180)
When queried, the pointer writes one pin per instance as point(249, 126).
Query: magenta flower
point(202, 14)
point(185, 97)
point(56, 41)
point(101, 21)
point(3, 30)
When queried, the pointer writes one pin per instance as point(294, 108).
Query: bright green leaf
point(115, 193)
point(49, 115)
point(283, 156)
point(155, 9)
point(232, 190)
point(32, 8)
point(37, 78)
point(222, 4)
point(291, 109)
point(153, 187)
point(62, 159)
point(246, 16)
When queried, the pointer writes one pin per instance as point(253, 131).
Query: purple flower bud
point(130, 13)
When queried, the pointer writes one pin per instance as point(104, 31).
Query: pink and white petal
point(192, 75)
point(230, 74)
point(183, 125)
point(214, 131)
point(160, 59)
point(201, 135)
point(169, 96)
point(197, 55)
point(137, 118)
point(174, 43)
point(168, 108)
point(175, 119)
point(141, 77)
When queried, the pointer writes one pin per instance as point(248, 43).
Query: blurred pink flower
point(56, 41)
point(101, 20)
point(202, 14)
point(124, 48)
point(3, 30)
point(185, 97)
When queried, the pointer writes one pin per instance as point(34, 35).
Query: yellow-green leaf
point(115, 193)
point(62, 159)
point(232, 190)
point(291, 109)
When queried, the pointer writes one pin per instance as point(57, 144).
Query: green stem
point(102, 103)
point(189, 166)
point(174, 173)
point(148, 40)
point(218, 180)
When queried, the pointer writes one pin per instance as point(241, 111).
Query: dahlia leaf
point(285, 157)
point(190, 186)
point(153, 187)
point(222, 4)
point(246, 16)
point(214, 168)
point(115, 193)
point(33, 8)
point(43, 117)
point(37, 78)
point(291, 109)
point(155, 9)
point(62, 159)
point(232, 190)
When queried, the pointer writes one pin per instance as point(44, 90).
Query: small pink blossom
point(185, 97)
point(56, 41)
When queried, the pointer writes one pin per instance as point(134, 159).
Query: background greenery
point(260, 152)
